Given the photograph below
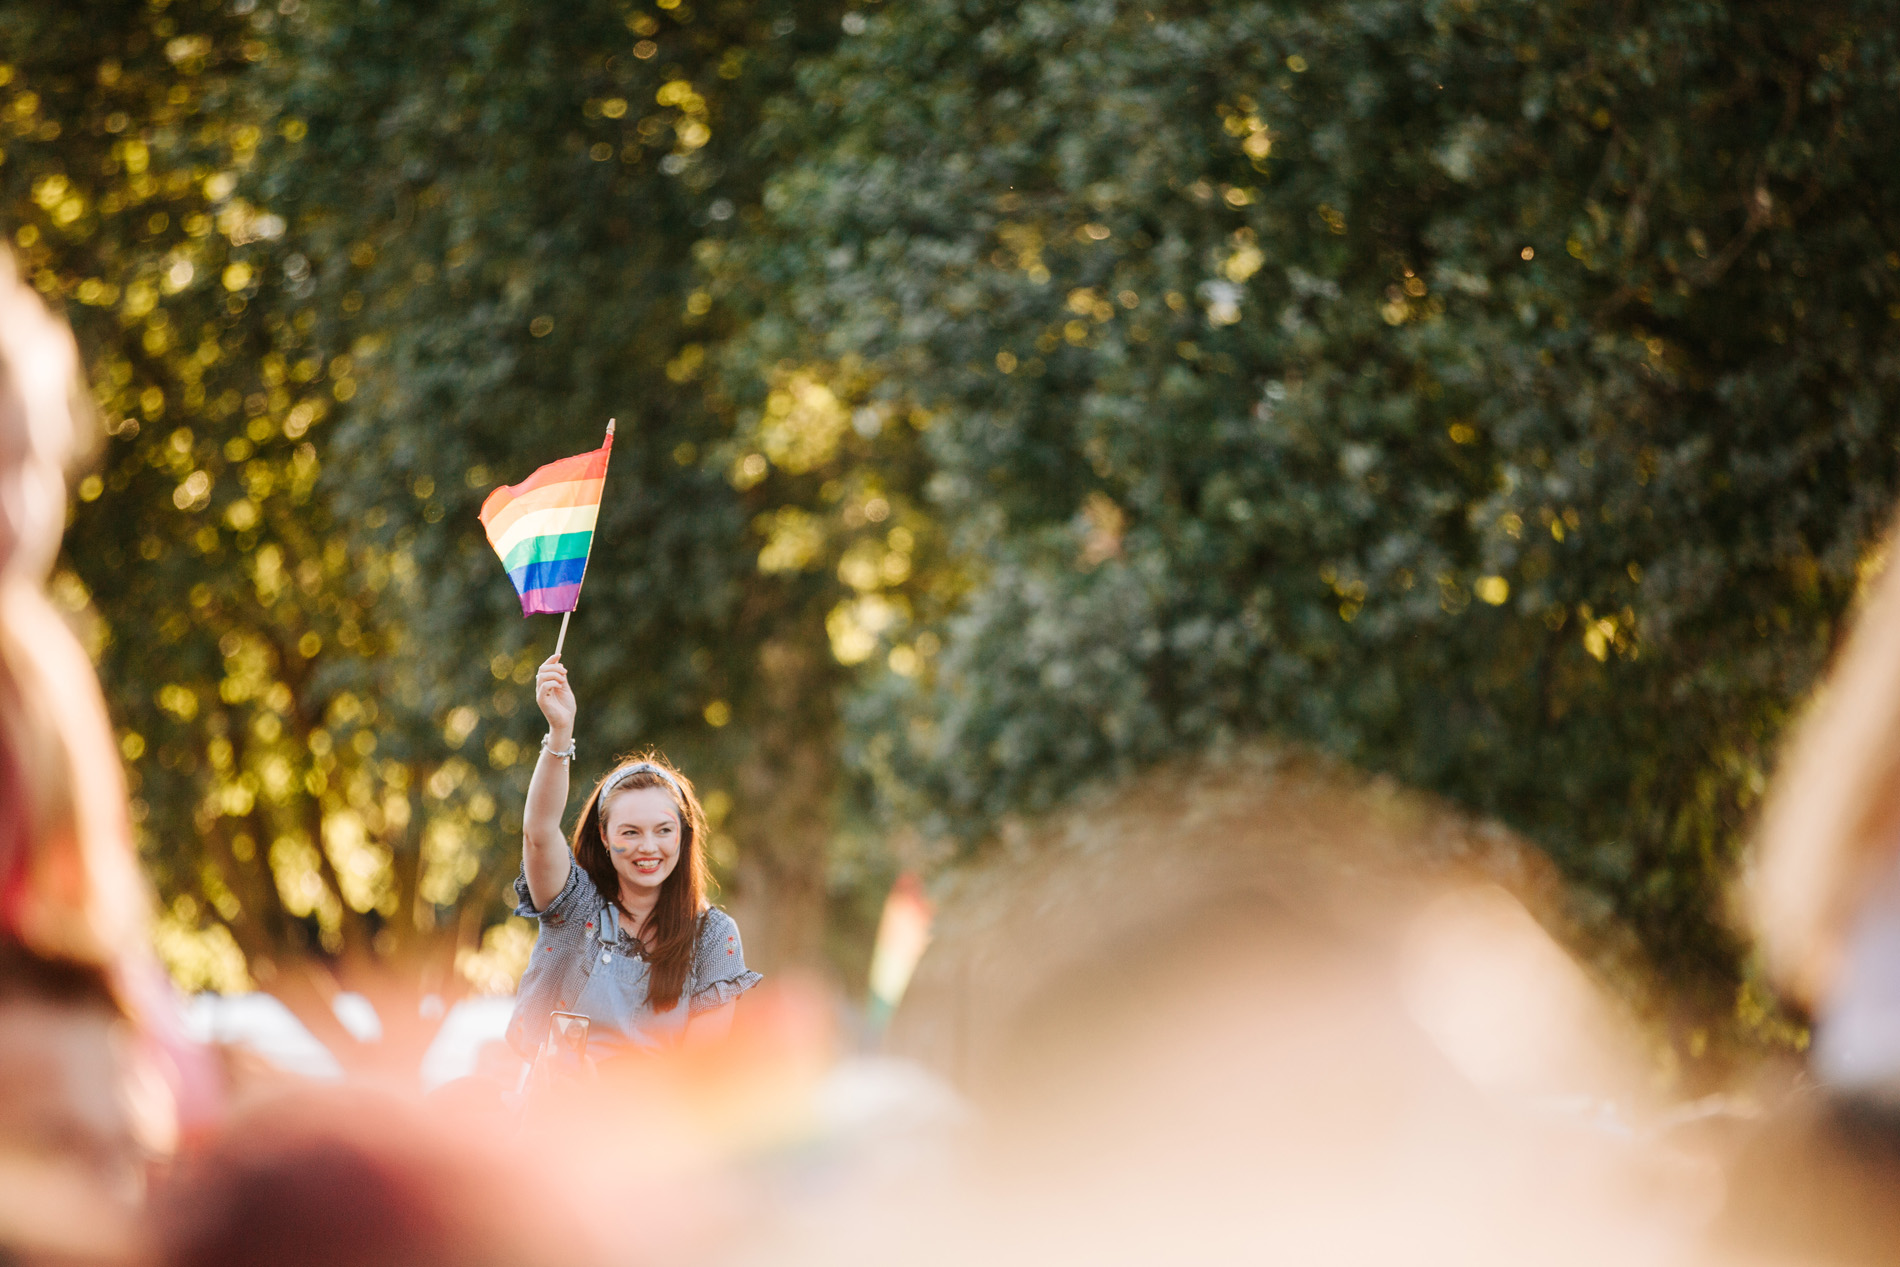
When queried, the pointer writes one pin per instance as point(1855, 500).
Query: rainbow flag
point(543, 528)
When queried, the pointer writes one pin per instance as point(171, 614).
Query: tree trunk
point(782, 814)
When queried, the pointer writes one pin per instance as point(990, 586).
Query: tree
point(211, 571)
point(1499, 397)
point(366, 297)
point(505, 254)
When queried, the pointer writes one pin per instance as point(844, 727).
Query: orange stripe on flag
point(498, 519)
point(582, 466)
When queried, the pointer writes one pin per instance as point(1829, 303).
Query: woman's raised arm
point(544, 853)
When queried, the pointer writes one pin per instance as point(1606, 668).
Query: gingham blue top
point(564, 955)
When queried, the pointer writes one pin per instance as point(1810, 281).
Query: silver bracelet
point(565, 756)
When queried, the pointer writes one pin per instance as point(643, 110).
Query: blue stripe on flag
point(540, 576)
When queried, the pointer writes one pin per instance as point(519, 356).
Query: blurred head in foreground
point(349, 1176)
point(76, 1114)
point(1255, 1010)
point(69, 886)
point(1259, 1083)
point(45, 425)
point(1824, 893)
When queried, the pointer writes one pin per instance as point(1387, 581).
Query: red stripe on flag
point(583, 466)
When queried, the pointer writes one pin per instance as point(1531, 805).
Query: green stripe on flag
point(548, 549)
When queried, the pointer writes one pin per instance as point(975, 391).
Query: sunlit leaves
point(802, 424)
point(493, 263)
point(794, 539)
point(214, 571)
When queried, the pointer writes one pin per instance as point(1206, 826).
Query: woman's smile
point(643, 835)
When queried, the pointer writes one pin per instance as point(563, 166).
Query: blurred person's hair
point(47, 419)
point(85, 1098)
point(672, 926)
point(73, 906)
point(350, 1176)
point(1832, 819)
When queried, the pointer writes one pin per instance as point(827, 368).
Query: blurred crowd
point(1311, 1070)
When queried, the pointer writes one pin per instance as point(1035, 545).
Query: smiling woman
point(627, 937)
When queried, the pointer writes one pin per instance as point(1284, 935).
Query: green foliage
point(216, 571)
point(1497, 395)
point(506, 254)
point(373, 295)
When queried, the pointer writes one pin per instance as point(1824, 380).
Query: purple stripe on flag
point(555, 598)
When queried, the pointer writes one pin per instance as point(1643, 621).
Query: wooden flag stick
point(560, 639)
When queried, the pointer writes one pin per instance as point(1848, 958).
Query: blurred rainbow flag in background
point(543, 528)
point(902, 936)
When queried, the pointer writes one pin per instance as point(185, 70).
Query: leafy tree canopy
point(1500, 396)
point(1009, 395)
point(329, 303)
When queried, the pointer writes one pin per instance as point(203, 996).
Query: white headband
point(626, 772)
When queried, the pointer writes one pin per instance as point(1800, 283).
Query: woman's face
point(643, 836)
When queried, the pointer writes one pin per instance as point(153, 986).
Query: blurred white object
point(1857, 1035)
point(470, 1026)
point(266, 1026)
point(882, 1096)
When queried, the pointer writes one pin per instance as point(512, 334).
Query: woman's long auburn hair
point(670, 933)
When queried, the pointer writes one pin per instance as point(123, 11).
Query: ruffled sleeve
point(577, 897)
point(719, 971)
